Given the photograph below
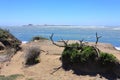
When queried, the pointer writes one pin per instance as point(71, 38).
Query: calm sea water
point(109, 34)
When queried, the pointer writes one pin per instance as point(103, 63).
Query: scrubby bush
point(73, 55)
point(69, 55)
point(9, 40)
point(38, 38)
point(31, 56)
point(87, 54)
point(11, 77)
point(107, 59)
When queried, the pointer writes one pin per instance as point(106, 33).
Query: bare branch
point(56, 69)
point(51, 38)
point(97, 51)
point(97, 38)
point(65, 42)
point(81, 41)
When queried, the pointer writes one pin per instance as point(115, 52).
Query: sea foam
point(118, 48)
point(24, 41)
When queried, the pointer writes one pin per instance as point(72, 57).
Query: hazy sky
point(73, 12)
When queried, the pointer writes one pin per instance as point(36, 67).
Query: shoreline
point(118, 48)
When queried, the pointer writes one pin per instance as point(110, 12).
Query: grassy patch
point(11, 77)
point(38, 38)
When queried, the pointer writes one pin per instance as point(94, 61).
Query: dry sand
point(48, 61)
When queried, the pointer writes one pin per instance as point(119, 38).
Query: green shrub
point(107, 59)
point(9, 40)
point(67, 55)
point(88, 53)
point(31, 56)
point(74, 44)
point(38, 38)
point(72, 55)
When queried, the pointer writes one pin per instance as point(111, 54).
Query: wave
point(92, 27)
point(116, 28)
point(24, 41)
point(118, 48)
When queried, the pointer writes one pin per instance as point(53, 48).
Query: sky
point(60, 12)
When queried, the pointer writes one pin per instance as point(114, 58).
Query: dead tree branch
point(51, 38)
point(97, 38)
point(65, 43)
point(97, 51)
point(81, 41)
point(56, 69)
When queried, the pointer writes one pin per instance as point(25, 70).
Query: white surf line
point(118, 48)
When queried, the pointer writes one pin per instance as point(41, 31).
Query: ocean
point(109, 34)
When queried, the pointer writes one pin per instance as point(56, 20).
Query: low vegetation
point(38, 38)
point(74, 55)
point(81, 57)
point(8, 40)
point(106, 59)
point(84, 55)
point(31, 55)
point(11, 77)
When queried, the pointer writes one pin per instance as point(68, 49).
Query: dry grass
point(31, 55)
point(11, 77)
